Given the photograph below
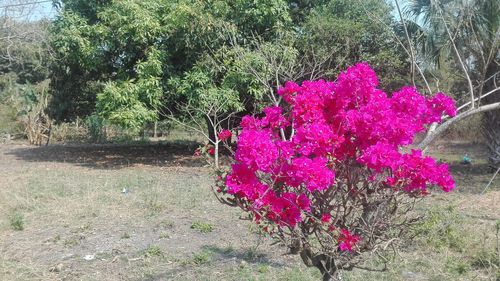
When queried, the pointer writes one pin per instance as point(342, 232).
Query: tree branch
point(442, 128)
point(457, 53)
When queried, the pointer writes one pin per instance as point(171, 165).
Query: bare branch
point(410, 44)
point(24, 4)
point(459, 57)
point(442, 128)
point(476, 99)
point(491, 181)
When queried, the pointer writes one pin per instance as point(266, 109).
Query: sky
point(32, 10)
point(40, 9)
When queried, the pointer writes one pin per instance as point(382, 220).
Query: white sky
point(29, 10)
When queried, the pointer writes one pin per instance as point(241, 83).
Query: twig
point(398, 40)
point(24, 4)
point(410, 44)
point(457, 53)
point(491, 181)
point(476, 99)
point(441, 128)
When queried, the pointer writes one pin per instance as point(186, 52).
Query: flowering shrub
point(328, 172)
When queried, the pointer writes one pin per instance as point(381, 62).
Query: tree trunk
point(491, 132)
point(324, 263)
point(491, 121)
point(332, 276)
point(210, 128)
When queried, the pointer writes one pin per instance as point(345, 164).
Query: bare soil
point(127, 212)
point(74, 204)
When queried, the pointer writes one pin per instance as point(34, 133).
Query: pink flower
point(224, 135)
point(274, 119)
point(315, 138)
point(243, 182)
point(380, 156)
point(441, 103)
point(326, 218)
point(197, 152)
point(211, 151)
point(288, 91)
point(334, 130)
point(257, 148)
point(303, 202)
point(313, 173)
point(417, 172)
point(347, 240)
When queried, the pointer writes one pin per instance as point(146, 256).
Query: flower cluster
point(224, 135)
point(283, 159)
point(347, 240)
point(204, 150)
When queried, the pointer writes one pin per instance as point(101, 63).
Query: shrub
point(329, 172)
point(17, 221)
point(96, 131)
point(153, 251)
point(203, 257)
point(203, 227)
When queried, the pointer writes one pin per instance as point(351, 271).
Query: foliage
point(107, 49)
point(26, 105)
point(104, 45)
point(327, 174)
point(342, 32)
point(132, 103)
point(472, 27)
point(203, 227)
point(17, 221)
point(95, 126)
point(225, 54)
point(24, 60)
point(24, 52)
point(10, 93)
point(37, 124)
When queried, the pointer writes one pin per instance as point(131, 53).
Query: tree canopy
point(129, 60)
point(460, 42)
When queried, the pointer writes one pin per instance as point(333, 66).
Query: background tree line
point(128, 61)
point(206, 62)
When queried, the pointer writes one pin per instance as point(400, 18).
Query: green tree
point(103, 47)
point(24, 60)
point(342, 32)
point(461, 38)
point(231, 53)
point(98, 42)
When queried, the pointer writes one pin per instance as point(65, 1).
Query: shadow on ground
point(113, 156)
point(250, 257)
point(219, 256)
point(474, 169)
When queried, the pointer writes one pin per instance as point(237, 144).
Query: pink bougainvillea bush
point(330, 172)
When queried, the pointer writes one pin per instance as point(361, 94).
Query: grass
point(17, 221)
point(203, 227)
point(203, 257)
point(441, 229)
point(157, 231)
point(154, 251)
point(164, 235)
point(153, 203)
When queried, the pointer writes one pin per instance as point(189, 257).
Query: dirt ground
point(146, 212)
